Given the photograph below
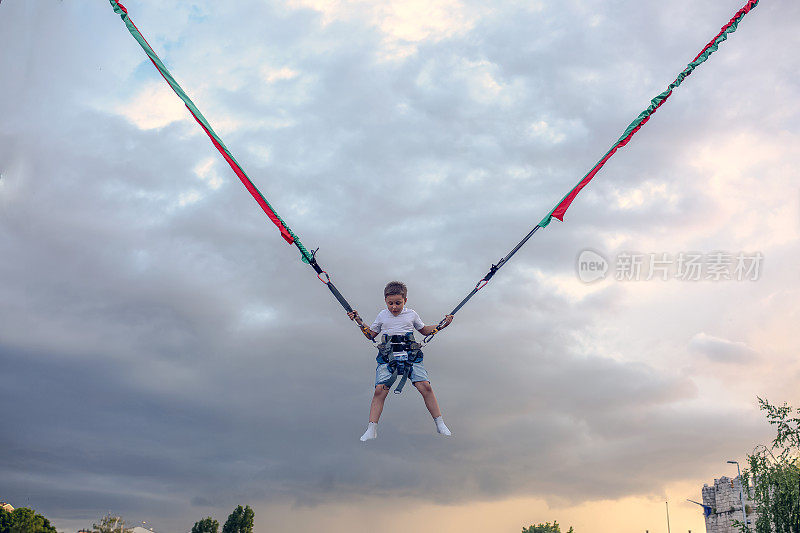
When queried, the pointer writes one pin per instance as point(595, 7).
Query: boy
point(397, 322)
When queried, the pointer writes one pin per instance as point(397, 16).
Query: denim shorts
point(418, 373)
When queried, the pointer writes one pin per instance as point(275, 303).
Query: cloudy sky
point(164, 354)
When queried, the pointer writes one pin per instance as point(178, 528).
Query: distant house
point(6, 506)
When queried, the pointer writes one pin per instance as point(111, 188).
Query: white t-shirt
point(407, 321)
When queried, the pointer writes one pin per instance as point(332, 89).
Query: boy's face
point(395, 303)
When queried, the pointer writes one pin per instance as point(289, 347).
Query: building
point(724, 505)
point(6, 506)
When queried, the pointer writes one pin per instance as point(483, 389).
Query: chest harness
point(392, 344)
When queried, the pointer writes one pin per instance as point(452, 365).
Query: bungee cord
point(309, 257)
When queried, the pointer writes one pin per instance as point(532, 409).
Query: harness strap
point(307, 256)
point(560, 209)
point(402, 369)
point(392, 379)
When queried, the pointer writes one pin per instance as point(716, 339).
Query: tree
point(547, 527)
point(206, 525)
point(111, 524)
point(240, 521)
point(775, 474)
point(24, 520)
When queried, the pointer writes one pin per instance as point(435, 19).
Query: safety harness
point(402, 366)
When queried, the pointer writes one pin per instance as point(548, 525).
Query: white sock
point(440, 427)
point(371, 432)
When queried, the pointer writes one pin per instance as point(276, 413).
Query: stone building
point(724, 505)
point(6, 506)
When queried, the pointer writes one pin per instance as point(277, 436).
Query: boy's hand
point(447, 320)
point(353, 315)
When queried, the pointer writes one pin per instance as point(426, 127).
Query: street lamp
point(741, 493)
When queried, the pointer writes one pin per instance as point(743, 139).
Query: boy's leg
point(378, 399)
point(424, 388)
point(375, 409)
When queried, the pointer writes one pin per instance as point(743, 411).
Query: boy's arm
point(367, 331)
point(427, 330)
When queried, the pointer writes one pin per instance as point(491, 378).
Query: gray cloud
point(165, 360)
point(721, 350)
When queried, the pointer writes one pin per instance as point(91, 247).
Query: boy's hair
point(395, 287)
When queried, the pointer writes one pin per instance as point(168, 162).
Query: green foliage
point(240, 521)
point(111, 524)
point(24, 520)
point(547, 527)
point(773, 474)
point(206, 525)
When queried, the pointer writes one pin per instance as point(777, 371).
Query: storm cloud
point(163, 353)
